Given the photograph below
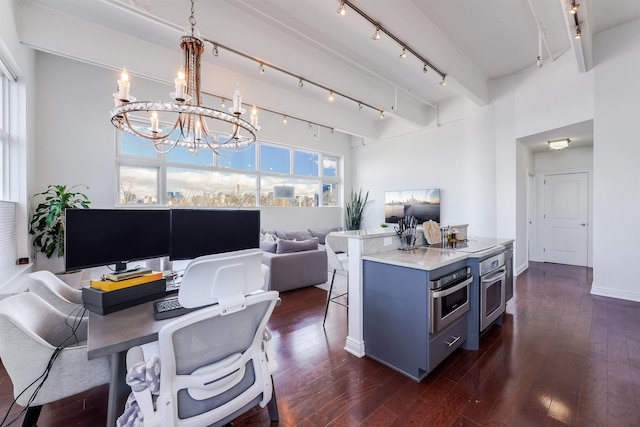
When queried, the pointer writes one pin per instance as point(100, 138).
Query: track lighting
point(261, 68)
point(381, 114)
point(574, 7)
point(442, 82)
point(309, 125)
point(578, 33)
point(539, 62)
point(300, 84)
point(222, 103)
point(214, 51)
point(360, 106)
point(376, 35)
point(425, 69)
point(331, 96)
point(284, 119)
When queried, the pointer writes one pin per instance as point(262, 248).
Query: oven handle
point(493, 277)
point(449, 291)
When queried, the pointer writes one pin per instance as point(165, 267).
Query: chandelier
point(184, 122)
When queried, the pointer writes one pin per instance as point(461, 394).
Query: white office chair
point(338, 261)
point(44, 352)
point(56, 292)
point(215, 363)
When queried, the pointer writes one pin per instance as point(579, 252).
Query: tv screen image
point(424, 205)
point(197, 232)
point(99, 237)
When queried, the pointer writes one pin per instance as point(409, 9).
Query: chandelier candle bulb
point(180, 84)
point(237, 100)
point(154, 121)
point(123, 86)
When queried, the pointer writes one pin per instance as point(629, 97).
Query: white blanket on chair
point(145, 374)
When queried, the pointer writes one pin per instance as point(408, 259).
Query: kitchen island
point(401, 280)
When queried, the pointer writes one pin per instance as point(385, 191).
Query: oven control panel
point(456, 276)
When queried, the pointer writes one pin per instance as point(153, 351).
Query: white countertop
point(433, 258)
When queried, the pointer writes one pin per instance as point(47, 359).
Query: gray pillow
point(268, 246)
point(295, 235)
point(287, 246)
point(321, 233)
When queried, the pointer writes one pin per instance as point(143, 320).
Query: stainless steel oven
point(449, 297)
point(493, 275)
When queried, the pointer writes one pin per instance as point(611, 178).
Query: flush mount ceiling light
point(558, 144)
point(188, 120)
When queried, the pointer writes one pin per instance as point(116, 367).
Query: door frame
point(539, 231)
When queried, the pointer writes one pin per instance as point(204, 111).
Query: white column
point(355, 335)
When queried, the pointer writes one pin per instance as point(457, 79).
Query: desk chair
point(338, 262)
point(215, 363)
point(31, 331)
point(56, 292)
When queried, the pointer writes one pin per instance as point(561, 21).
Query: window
point(265, 174)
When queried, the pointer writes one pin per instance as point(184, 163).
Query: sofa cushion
point(294, 234)
point(321, 233)
point(284, 246)
point(268, 246)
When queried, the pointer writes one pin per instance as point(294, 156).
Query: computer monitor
point(99, 237)
point(198, 232)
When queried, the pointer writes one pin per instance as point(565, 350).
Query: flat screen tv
point(198, 232)
point(424, 205)
point(99, 237)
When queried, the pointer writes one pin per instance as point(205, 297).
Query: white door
point(566, 218)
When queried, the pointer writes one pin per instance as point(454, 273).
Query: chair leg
point(326, 309)
point(31, 416)
point(272, 406)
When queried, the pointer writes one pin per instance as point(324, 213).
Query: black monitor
point(197, 232)
point(98, 237)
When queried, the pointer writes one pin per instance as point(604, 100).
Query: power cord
point(77, 321)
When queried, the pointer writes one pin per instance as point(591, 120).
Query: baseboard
point(614, 293)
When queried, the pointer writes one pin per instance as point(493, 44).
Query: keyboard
point(170, 307)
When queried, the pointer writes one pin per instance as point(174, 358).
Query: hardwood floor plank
point(561, 357)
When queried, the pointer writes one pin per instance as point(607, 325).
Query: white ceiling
point(470, 41)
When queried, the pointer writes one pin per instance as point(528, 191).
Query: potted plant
point(47, 223)
point(354, 210)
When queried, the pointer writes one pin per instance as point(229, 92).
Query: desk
point(112, 335)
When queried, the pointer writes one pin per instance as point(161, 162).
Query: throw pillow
point(321, 233)
point(268, 246)
point(295, 235)
point(287, 246)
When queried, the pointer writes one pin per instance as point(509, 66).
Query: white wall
point(615, 162)
point(458, 158)
point(82, 150)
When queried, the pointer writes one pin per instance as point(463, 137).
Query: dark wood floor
point(561, 357)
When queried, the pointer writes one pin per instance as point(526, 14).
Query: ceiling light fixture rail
point(405, 47)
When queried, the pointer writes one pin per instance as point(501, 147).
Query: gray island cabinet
point(396, 311)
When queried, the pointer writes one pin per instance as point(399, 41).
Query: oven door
point(448, 304)
point(492, 297)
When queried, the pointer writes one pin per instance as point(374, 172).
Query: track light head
point(342, 10)
point(360, 106)
point(539, 62)
point(376, 35)
point(284, 119)
point(261, 68)
point(578, 33)
point(300, 84)
point(222, 103)
point(443, 82)
point(403, 54)
point(425, 69)
point(331, 96)
point(574, 7)
point(214, 50)
point(381, 114)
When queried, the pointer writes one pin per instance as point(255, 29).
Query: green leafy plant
point(47, 223)
point(354, 210)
